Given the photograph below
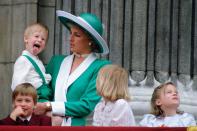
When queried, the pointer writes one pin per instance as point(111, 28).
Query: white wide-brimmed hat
point(88, 22)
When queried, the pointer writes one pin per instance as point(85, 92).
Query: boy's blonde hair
point(112, 83)
point(155, 109)
point(25, 89)
point(34, 28)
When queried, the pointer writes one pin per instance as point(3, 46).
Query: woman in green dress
point(74, 77)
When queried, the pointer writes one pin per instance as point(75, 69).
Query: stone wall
point(15, 15)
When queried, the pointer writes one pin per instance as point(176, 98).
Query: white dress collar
point(65, 79)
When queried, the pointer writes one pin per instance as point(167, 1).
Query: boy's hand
point(18, 111)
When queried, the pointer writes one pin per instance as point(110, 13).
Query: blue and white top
point(178, 120)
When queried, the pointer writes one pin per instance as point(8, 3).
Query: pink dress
point(118, 113)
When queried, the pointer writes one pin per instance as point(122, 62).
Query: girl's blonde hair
point(112, 83)
point(155, 109)
point(25, 89)
point(36, 27)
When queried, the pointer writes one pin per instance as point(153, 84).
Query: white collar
point(81, 55)
point(26, 52)
point(65, 79)
point(25, 118)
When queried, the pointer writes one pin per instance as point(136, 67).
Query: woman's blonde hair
point(112, 83)
point(25, 89)
point(155, 109)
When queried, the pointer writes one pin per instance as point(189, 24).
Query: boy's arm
point(20, 72)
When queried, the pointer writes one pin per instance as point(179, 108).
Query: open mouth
point(36, 45)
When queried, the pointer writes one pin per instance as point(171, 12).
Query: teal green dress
point(74, 95)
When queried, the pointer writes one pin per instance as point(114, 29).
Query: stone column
point(15, 15)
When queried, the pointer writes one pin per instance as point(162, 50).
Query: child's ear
point(13, 105)
point(25, 39)
point(158, 102)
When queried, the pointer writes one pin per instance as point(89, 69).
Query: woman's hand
point(40, 108)
point(57, 120)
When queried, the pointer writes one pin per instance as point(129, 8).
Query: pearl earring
point(89, 43)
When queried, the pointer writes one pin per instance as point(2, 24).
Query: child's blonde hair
point(25, 89)
point(34, 28)
point(112, 83)
point(155, 109)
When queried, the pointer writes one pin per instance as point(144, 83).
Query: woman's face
point(79, 41)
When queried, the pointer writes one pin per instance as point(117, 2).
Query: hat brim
point(67, 18)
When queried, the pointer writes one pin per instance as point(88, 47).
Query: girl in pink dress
point(114, 108)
